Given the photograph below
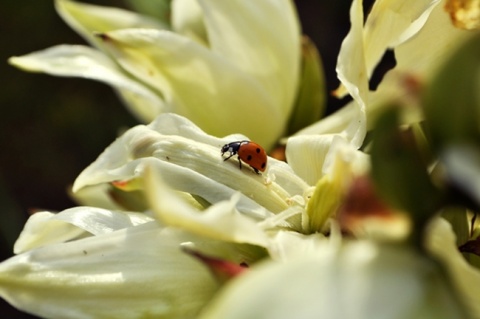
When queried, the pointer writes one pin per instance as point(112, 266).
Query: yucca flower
point(86, 261)
point(421, 36)
point(219, 63)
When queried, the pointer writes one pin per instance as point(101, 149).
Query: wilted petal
point(85, 62)
point(132, 273)
point(359, 281)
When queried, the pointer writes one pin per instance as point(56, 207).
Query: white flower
point(421, 36)
point(238, 75)
point(84, 262)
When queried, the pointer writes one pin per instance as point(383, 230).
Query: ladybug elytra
point(249, 152)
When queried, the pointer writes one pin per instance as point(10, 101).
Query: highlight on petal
point(45, 228)
point(131, 273)
point(186, 74)
point(237, 29)
point(87, 19)
point(85, 62)
point(361, 280)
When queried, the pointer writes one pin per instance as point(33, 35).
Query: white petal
point(190, 166)
point(352, 72)
point(306, 155)
point(87, 19)
point(262, 38)
point(85, 62)
point(45, 228)
point(187, 19)
point(199, 84)
point(360, 281)
point(132, 273)
point(41, 230)
point(220, 221)
point(392, 22)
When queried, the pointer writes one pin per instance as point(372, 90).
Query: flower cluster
point(362, 219)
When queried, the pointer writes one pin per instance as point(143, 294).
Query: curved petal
point(46, 228)
point(198, 83)
point(131, 273)
point(352, 73)
point(389, 24)
point(87, 19)
point(189, 165)
point(85, 62)
point(262, 38)
point(220, 221)
point(359, 281)
point(41, 230)
point(306, 155)
point(187, 19)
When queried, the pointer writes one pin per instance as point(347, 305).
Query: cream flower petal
point(87, 19)
point(187, 19)
point(237, 29)
point(132, 273)
point(85, 62)
point(191, 166)
point(220, 221)
point(306, 155)
point(41, 230)
point(389, 23)
point(359, 281)
point(198, 83)
point(46, 228)
point(352, 73)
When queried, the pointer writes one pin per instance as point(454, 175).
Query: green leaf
point(310, 103)
point(156, 8)
point(399, 173)
point(452, 102)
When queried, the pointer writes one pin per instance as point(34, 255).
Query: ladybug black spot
point(249, 158)
point(264, 164)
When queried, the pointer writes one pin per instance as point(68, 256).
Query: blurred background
point(51, 128)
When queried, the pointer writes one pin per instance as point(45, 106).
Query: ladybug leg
point(231, 154)
point(239, 162)
point(256, 170)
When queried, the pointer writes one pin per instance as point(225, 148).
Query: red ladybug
point(249, 152)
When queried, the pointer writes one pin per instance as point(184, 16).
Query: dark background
point(51, 128)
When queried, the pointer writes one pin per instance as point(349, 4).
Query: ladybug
point(249, 152)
